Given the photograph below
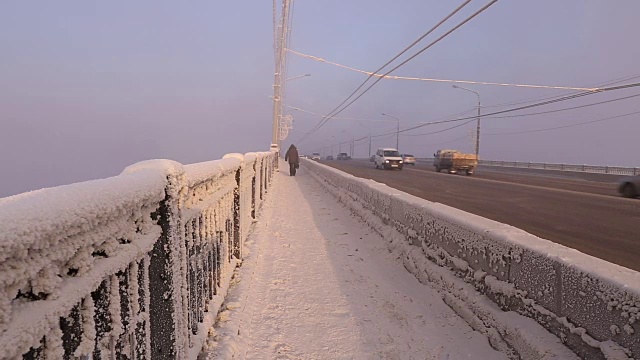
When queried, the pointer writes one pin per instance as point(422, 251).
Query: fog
point(89, 88)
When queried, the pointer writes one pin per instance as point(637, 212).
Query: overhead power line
point(336, 112)
point(465, 3)
point(336, 118)
point(537, 130)
point(322, 121)
point(596, 86)
point(564, 126)
point(450, 141)
point(374, 120)
point(607, 83)
point(565, 98)
point(393, 77)
point(443, 130)
point(565, 109)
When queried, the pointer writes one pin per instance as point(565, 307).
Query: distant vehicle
point(388, 158)
point(372, 158)
point(344, 156)
point(629, 186)
point(303, 156)
point(329, 157)
point(315, 156)
point(454, 161)
point(408, 159)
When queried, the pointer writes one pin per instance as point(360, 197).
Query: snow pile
point(574, 296)
point(83, 252)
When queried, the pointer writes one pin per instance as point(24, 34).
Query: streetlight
point(332, 137)
point(369, 137)
point(397, 130)
point(478, 122)
point(297, 77)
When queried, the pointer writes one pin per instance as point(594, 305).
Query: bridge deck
point(318, 284)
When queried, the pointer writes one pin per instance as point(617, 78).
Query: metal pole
point(478, 122)
point(397, 130)
point(280, 66)
point(369, 142)
point(478, 129)
point(275, 134)
point(353, 146)
point(398, 136)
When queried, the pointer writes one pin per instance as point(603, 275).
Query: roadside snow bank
point(576, 297)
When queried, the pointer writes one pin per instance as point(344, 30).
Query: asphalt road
point(583, 214)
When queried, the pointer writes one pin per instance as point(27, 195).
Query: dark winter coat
point(292, 155)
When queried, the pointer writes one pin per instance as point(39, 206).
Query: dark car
point(329, 157)
point(343, 156)
point(629, 186)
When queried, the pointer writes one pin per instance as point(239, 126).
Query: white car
point(388, 158)
point(315, 156)
point(408, 159)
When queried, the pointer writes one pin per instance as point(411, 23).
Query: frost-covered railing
point(615, 170)
point(597, 169)
point(130, 267)
point(590, 305)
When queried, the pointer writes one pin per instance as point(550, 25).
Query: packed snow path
point(317, 283)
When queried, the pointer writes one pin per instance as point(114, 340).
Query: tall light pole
point(281, 32)
point(397, 130)
point(369, 137)
point(332, 137)
point(478, 122)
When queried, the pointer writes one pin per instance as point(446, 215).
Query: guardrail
point(131, 267)
point(597, 169)
point(590, 305)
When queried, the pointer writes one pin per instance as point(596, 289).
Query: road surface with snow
point(598, 222)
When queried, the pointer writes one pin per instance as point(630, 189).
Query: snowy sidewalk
point(317, 283)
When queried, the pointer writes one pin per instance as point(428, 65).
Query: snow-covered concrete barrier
point(131, 267)
point(590, 305)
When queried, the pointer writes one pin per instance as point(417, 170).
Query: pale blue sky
point(87, 88)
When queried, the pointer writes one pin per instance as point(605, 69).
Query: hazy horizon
point(90, 88)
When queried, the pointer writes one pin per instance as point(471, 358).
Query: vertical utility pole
point(369, 138)
point(478, 122)
point(369, 142)
point(398, 136)
point(353, 146)
point(397, 130)
point(281, 34)
point(478, 130)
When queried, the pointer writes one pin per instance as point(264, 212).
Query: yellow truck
point(454, 161)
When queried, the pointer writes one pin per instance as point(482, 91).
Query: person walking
point(294, 160)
